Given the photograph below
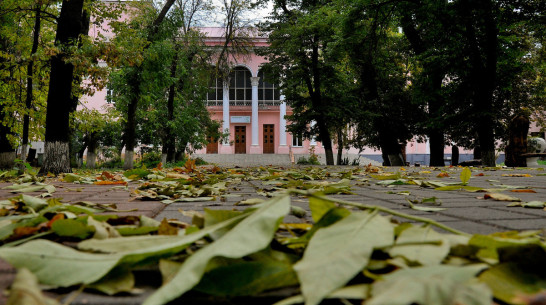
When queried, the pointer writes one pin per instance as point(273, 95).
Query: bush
point(150, 159)
point(113, 163)
point(308, 161)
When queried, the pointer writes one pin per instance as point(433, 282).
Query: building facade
point(252, 110)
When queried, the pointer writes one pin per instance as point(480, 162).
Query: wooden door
point(269, 139)
point(212, 146)
point(240, 139)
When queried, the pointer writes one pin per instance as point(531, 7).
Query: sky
point(256, 15)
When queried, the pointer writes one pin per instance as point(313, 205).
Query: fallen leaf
point(523, 191)
point(466, 173)
point(165, 228)
point(25, 290)
point(500, 197)
point(530, 204)
point(109, 182)
point(516, 175)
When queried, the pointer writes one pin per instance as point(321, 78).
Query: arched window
point(268, 93)
point(240, 88)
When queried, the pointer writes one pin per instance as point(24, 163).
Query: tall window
point(297, 140)
point(216, 92)
point(240, 88)
point(268, 93)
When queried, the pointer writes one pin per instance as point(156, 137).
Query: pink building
point(252, 110)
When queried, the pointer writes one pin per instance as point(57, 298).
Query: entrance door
point(269, 138)
point(212, 146)
point(240, 139)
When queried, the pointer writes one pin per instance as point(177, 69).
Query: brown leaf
point(523, 191)
point(166, 229)
point(110, 182)
point(500, 197)
point(21, 232)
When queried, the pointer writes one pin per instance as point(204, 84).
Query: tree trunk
point(437, 144)
point(517, 142)
point(454, 155)
point(59, 164)
point(482, 53)
point(130, 137)
point(169, 142)
point(60, 98)
point(326, 140)
point(92, 151)
point(339, 147)
point(30, 75)
point(431, 89)
point(7, 152)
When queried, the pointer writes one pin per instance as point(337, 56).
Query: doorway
point(212, 146)
point(269, 139)
point(240, 139)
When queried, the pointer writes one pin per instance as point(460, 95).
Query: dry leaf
point(500, 197)
point(165, 228)
point(523, 191)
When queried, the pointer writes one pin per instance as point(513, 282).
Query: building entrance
point(269, 139)
point(240, 139)
point(212, 146)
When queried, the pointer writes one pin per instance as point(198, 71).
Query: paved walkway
point(465, 211)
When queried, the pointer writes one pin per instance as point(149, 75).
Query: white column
point(255, 82)
point(282, 122)
point(225, 108)
point(313, 139)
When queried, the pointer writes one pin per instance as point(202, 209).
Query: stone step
point(269, 159)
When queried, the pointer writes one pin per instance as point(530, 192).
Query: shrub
point(115, 162)
point(150, 159)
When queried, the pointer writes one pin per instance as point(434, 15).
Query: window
point(216, 92)
point(240, 88)
point(268, 93)
point(297, 140)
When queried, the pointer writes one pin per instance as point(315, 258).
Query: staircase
point(267, 159)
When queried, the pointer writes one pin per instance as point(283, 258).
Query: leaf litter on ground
point(418, 263)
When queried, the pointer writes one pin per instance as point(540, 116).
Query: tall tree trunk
point(60, 98)
point(30, 75)
point(92, 150)
point(315, 91)
point(432, 86)
point(483, 57)
point(7, 152)
point(169, 143)
point(339, 146)
point(130, 127)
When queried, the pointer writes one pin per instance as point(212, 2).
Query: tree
point(377, 60)
point(61, 100)
point(18, 53)
point(299, 40)
point(92, 128)
point(135, 82)
point(425, 24)
point(494, 70)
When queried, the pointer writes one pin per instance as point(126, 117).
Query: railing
point(261, 104)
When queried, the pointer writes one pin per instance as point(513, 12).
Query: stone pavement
point(464, 211)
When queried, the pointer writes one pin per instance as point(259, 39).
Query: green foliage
point(311, 160)
point(150, 159)
point(115, 162)
point(136, 173)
